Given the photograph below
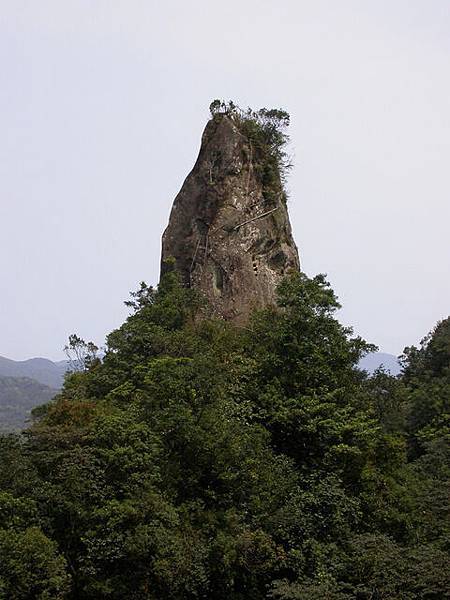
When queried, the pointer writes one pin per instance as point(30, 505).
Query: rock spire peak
point(229, 233)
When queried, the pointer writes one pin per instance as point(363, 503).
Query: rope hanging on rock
point(255, 218)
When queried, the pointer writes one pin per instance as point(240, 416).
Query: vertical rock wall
point(229, 238)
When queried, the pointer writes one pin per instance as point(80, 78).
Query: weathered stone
point(229, 238)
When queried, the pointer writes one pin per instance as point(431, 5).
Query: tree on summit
point(81, 354)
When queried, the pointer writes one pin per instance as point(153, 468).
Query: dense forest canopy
point(202, 460)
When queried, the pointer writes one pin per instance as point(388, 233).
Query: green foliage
point(433, 357)
point(30, 567)
point(81, 354)
point(266, 131)
point(427, 375)
point(200, 460)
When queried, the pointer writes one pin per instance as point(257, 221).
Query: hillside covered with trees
point(199, 459)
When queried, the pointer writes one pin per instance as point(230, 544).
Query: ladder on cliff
point(200, 252)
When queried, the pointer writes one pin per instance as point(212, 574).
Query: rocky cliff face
point(228, 233)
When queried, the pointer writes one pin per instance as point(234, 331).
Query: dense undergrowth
point(201, 460)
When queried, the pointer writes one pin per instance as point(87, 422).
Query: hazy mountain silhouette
point(18, 396)
point(372, 361)
point(44, 371)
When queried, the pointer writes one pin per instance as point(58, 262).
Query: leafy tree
point(426, 372)
point(81, 354)
point(30, 567)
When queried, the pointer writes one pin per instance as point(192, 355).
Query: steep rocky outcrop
point(229, 233)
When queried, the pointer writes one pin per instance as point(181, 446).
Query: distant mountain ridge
point(18, 396)
point(25, 384)
point(371, 362)
point(43, 370)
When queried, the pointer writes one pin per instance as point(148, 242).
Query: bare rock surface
point(227, 236)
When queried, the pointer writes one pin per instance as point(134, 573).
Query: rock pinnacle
point(229, 233)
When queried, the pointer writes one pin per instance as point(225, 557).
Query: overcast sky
point(102, 106)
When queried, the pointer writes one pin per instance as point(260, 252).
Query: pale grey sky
point(102, 105)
